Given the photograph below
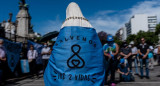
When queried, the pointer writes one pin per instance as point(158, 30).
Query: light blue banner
point(13, 51)
point(76, 60)
point(25, 66)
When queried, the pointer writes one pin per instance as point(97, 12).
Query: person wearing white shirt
point(134, 57)
point(32, 55)
point(45, 55)
point(2, 60)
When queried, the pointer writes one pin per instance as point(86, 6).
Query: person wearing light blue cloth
point(150, 57)
point(77, 56)
point(111, 50)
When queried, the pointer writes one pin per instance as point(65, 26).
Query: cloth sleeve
point(138, 47)
point(36, 53)
point(130, 50)
point(42, 51)
point(2, 54)
point(104, 47)
point(28, 54)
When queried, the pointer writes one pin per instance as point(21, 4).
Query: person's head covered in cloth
point(77, 56)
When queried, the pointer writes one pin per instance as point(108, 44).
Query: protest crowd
point(31, 62)
point(130, 56)
point(120, 59)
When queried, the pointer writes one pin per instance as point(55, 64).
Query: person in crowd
point(2, 60)
point(32, 55)
point(126, 53)
point(51, 47)
point(134, 56)
point(111, 50)
point(143, 50)
point(124, 70)
point(45, 55)
point(158, 55)
point(150, 57)
point(155, 53)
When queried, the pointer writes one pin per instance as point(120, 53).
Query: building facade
point(121, 34)
point(141, 22)
point(152, 22)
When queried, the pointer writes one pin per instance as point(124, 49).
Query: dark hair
point(142, 38)
point(32, 46)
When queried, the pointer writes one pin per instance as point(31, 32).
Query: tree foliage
point(157, 29)
point(119, 42)
point(150, 37)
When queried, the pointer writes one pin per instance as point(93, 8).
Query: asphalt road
point(153, 81)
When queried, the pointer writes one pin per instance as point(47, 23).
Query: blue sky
point(104, 15)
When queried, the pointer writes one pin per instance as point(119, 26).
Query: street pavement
point(153, 81)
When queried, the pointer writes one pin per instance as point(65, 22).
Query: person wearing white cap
point(134, 56)
point(77, 56)
point(150, 57)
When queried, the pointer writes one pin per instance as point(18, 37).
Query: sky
point(104, 15)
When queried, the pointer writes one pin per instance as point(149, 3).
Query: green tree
point(151, 37)
point(119, 42)
point(157, 29)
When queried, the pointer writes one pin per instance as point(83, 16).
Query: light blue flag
point(25, 66)
point(13, 51)
point(76, 60)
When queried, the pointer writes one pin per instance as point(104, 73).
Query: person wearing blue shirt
point(123, 69)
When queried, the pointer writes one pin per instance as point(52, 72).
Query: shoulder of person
point(35, 50)
point(48, 48)
point(105, 44)
point(29, 50)
point(43, 48)
point(140, 44)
